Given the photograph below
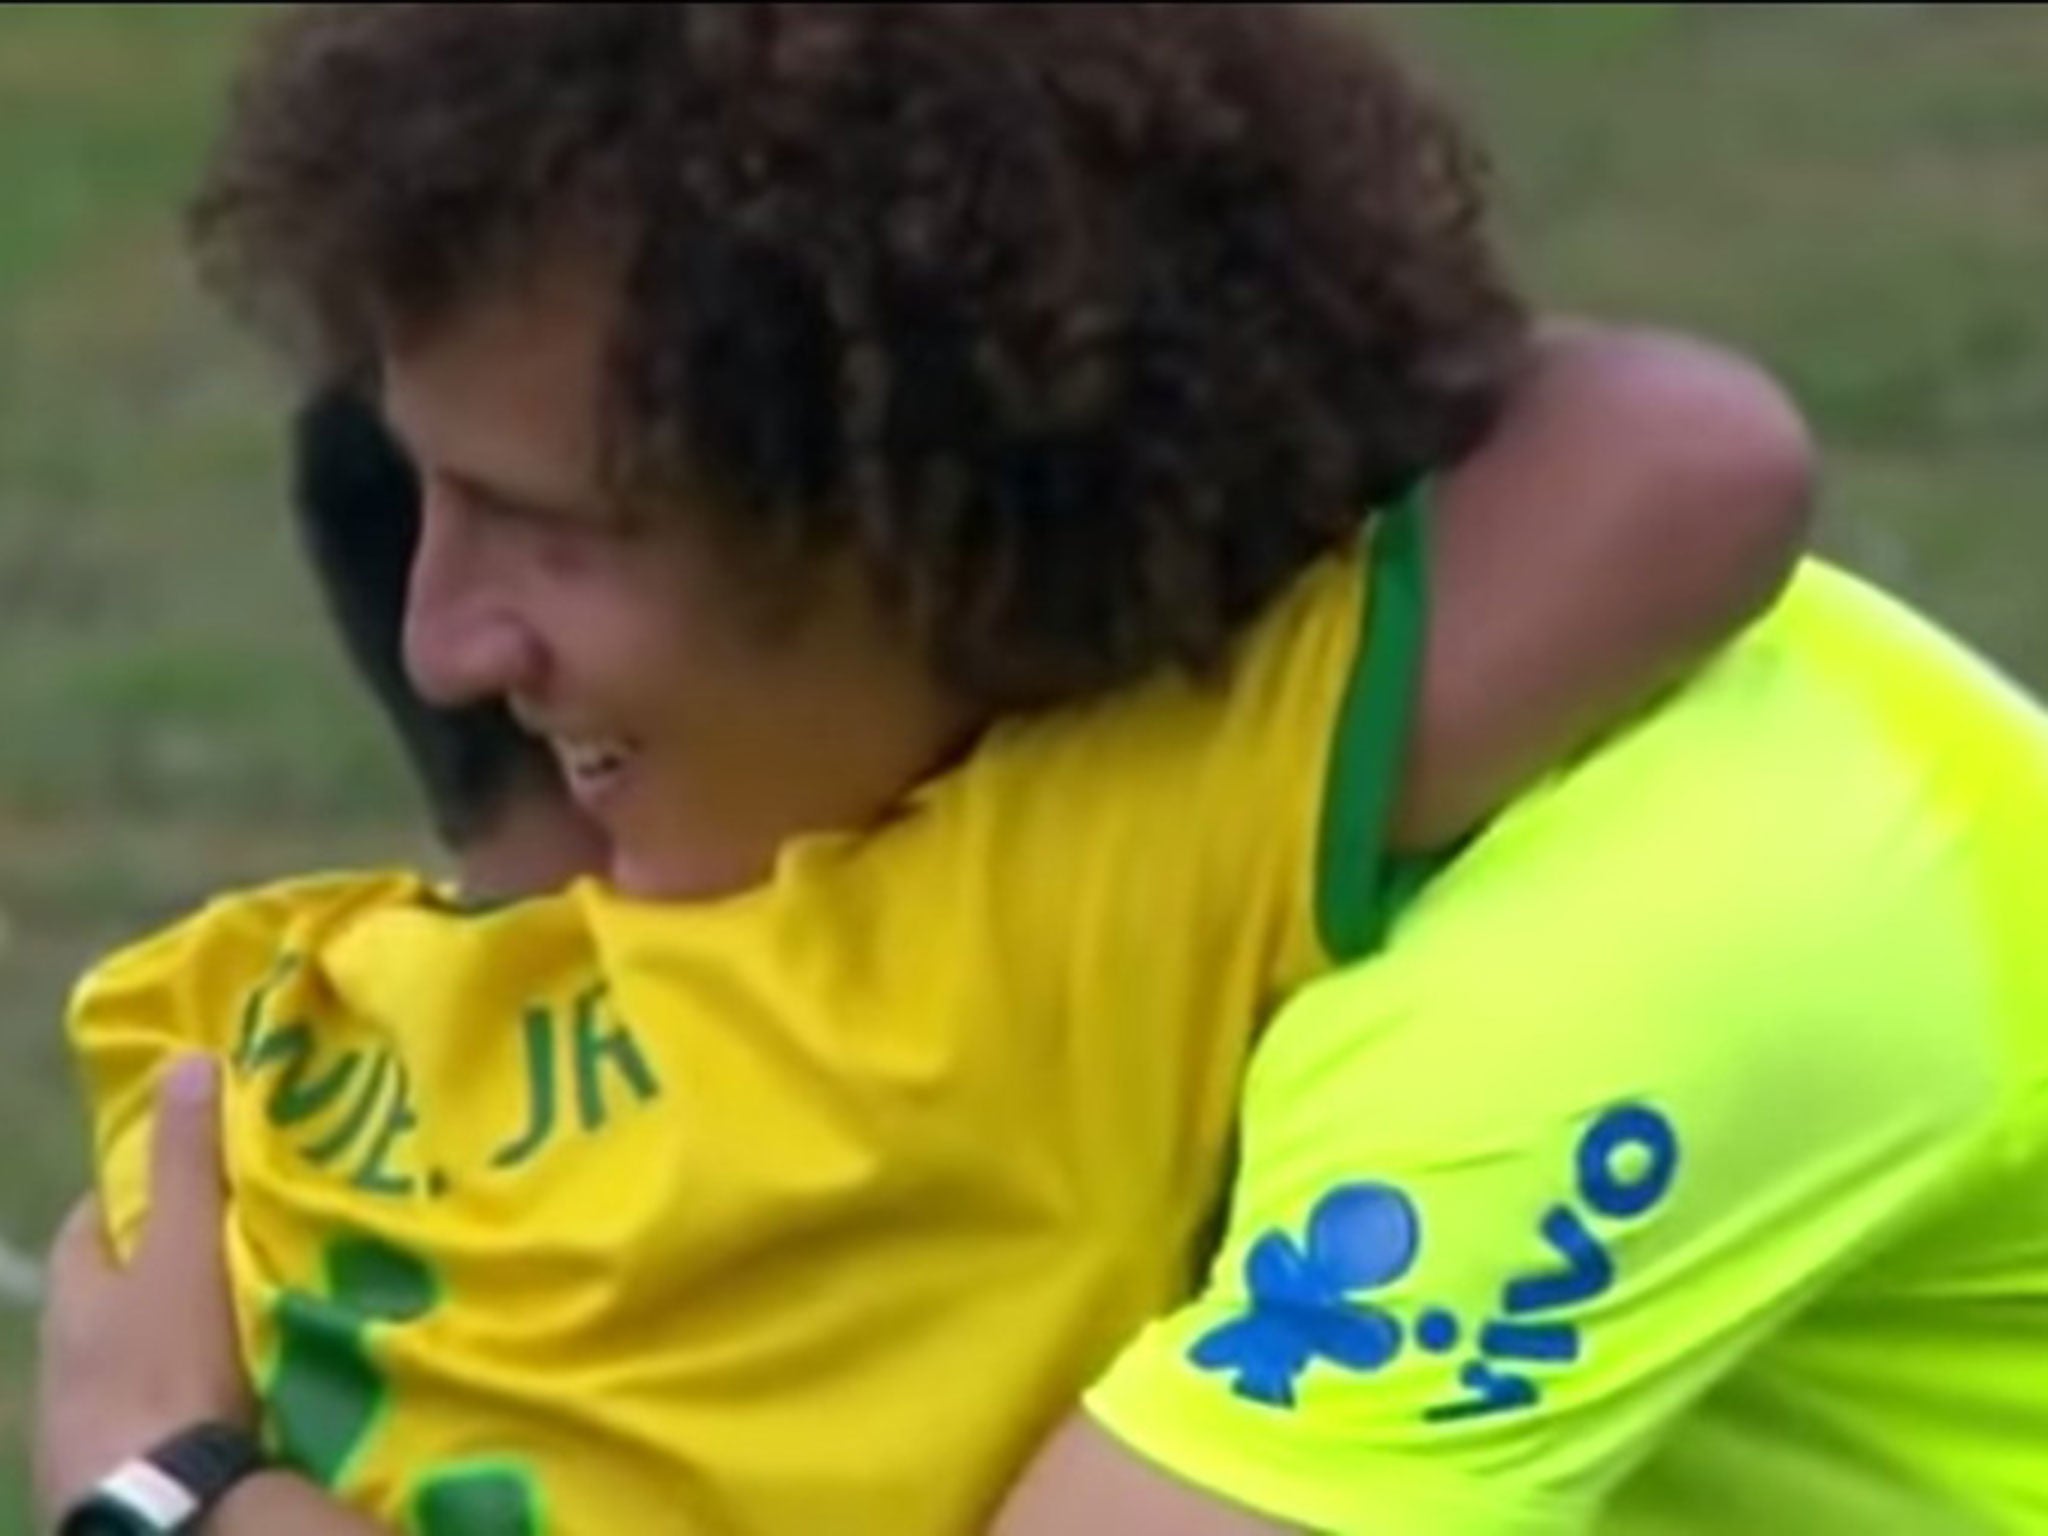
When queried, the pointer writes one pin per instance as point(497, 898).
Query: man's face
point(527, 585)
point(620, 641)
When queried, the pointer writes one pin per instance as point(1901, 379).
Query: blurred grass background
point(1856, 194)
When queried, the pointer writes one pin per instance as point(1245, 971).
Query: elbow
point(1761, 478)
point(1728, 456)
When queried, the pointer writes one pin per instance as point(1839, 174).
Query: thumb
point(185, 1196)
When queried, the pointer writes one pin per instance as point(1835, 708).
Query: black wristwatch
point(168, 1491)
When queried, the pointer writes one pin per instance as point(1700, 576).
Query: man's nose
point(464, 640)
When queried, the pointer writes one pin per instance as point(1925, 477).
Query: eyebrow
point(518, 501)
point(539, 508)
point(595, 520)
point(468, 481)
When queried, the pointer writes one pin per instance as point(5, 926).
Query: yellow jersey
point(804, 1211)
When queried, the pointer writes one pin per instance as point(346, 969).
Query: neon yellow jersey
point(805, 1211)
point(1681, 1167)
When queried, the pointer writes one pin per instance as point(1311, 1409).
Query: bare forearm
point(279, 1501)
point(1644, 496)
point(1086, 1483)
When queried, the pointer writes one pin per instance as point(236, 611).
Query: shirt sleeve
point(195, 985)
point(1636, 1081)
point(134, 1013)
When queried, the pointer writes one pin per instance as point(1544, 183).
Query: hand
point(130, 1356)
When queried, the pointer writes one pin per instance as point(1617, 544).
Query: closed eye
point(503, 508)
point(498, 506)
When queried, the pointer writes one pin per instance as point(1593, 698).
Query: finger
point(183, 1227)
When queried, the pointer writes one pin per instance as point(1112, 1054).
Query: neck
point(836, 718)
point(536, 842)
point(717, 833)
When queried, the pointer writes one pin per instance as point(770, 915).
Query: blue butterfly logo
point(1360, 1237)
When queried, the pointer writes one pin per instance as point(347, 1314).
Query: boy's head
point(494, 796)
point(789, 376)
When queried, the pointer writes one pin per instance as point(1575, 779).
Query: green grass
point(1852, 193)
point(172, 719)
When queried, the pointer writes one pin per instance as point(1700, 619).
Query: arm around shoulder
point(1642, 497)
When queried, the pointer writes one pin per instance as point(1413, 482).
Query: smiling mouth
point(593, 766)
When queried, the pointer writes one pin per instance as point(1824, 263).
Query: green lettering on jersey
point(252, 1010)
point(600, 1045)
point(539, 1026)
point(352, 1124)
point(400, 1120)
point(298, 1093)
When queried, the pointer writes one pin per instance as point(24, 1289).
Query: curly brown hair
point(1085, 327)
